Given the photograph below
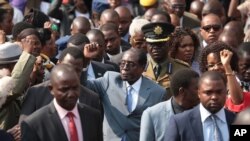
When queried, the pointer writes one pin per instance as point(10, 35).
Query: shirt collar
point(110, 56)
point(136, 86)
point(205, 114)
point(63, 112)
point(154, 64)
point(204, 43)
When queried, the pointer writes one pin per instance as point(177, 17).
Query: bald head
point(215, 7)
point(125, 19)
point(63, 71)
point(80, 25)
point(235, 26)
point(229, 38)
point(196, 8)
point(149, 13)
point(109, 16)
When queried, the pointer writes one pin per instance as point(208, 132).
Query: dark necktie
point(72, 127)
point(157, 71)
point(217, 136)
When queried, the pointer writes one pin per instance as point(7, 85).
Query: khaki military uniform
point(167, 69)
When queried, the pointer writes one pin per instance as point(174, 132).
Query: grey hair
point(136, 25)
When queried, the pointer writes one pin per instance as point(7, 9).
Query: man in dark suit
point(114, 44)
point(39, 95)
point(178, 7)
point(92, 69)
point(64, 118)
point(207, 119)
point(125, 96)
point(96, 38)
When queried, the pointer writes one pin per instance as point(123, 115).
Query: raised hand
point(91, 50)
point(225, 57)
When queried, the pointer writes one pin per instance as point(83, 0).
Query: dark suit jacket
point(39, 96)
point(100, 68)
point(187, 126)
point(4, 136)
point(125, 45)
point(45, 125)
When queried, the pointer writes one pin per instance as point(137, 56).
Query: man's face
point(113, 41)
point(6, 25)
point(176, 6)
point(66, 90)
point(125, 21)
point(114, 3)
point(211, 28)
point(77, 64)
point(212, 94)
point(130, 68)
point(191, 94)
point(244, 67)
point(138, 41)
point(158, 51)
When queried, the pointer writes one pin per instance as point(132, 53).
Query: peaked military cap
point(157, 32)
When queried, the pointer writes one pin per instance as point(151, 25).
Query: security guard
point(160, 67)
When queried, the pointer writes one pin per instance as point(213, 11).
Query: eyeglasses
point(215, 27)
point(211, 66)
point(128, 64)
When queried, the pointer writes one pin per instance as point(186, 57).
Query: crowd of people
point(123, 70)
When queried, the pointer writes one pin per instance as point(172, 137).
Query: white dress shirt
point(207, 123)
point(110, 56)
point(135, 92)
point(65, 120)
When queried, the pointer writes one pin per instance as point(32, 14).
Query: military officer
point(160, 67)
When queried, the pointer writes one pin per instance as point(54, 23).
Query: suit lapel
point(61, 134)
point(97, 70)
point(143, 93)
point(84, 122)
point(196, 125)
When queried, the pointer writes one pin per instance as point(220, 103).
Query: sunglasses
point(208, 28)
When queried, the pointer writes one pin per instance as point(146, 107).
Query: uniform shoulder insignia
point(181, 62)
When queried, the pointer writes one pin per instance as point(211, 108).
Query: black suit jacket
point(45, 125)
point(188, 126)
point(39, 96)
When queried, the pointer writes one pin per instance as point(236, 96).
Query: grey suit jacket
point(118, 122)
point(155, 120)
point(187, 126)
point(45, 125)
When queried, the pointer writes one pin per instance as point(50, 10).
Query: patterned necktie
point(129, 98)
point(217, 136)
point(157, 71)
point(72, 127)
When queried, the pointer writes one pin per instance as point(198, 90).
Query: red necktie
point(72, 127)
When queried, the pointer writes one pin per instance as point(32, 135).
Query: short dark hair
point(19, 27)
point(45, 35)
point(160, 12)
point(74, 52)
point(182, 78)
point(215, 48)
point(212, 75)
point(78, 40)
point(109, 26)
